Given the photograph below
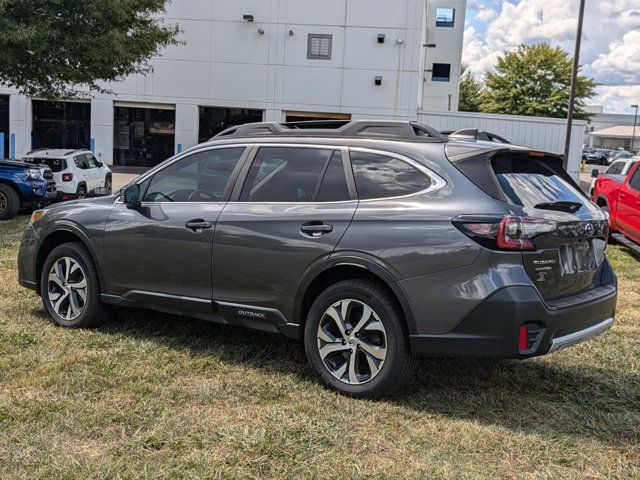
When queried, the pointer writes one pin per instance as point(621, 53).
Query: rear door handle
point(316, 229)
point(198, 225)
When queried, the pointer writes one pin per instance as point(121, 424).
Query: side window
point(634, 181)
point(333, 187)
point(380, 176)
point(81, 162)
point(91, 161)
point(200, 177)
point(614, 169)
point(285, 174)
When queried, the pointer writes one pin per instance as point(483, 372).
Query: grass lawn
point(157, 396)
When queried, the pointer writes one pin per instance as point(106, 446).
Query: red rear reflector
point(522, 340)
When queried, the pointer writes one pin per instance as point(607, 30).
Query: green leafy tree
point(59, 48)
point(470, 92)
point(534, 80)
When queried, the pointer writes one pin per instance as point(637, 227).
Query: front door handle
point(198, 225)
point(316, 229)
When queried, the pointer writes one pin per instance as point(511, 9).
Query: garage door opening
point(214, 120)
point(4, 126)
point(315, 116)
point(143, 137)
point(61, 124)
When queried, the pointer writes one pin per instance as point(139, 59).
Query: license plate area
point(577, 257)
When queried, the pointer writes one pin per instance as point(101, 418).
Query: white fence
point(541, 133)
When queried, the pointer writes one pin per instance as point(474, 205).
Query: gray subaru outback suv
point(374, 242)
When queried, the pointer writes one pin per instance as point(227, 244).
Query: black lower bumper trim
point(492, 329)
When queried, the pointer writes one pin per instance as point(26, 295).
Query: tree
point(470, 91)
point(58, 48)
point(534, 80)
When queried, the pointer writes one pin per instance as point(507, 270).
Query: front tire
point(9, 202)
point(356, 339)
point(70, 288)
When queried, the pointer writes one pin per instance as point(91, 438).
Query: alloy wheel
point(352, 342)
point(3, 203)
point(67, 288)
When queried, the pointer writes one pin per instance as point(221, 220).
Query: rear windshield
point(528, 182)
point(55, 164)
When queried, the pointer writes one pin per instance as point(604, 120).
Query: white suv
point(75, 171)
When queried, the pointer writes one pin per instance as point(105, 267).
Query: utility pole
point(574, 80)
point(635, 122)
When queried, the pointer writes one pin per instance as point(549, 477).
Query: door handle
point(622, 195)
point(198, 225)
point(316, 229)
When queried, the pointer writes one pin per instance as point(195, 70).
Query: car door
point(161, 251)
point(628, 213)
point(80, 172)
point(94, 179)
point(288, 214)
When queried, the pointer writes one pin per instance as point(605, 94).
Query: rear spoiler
point(473, 134)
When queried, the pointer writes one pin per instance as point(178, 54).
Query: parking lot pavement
point(585, 178)
point(121, 179)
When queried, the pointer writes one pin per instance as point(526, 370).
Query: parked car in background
point(599, 156)
point(76, 172)
point(618, 154)
point(374, 242)
point(618, 167)
point(24, 185)
point(619, 195)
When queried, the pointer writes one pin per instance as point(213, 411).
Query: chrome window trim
point(437, 182)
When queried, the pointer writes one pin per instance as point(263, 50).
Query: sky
point(610, 52)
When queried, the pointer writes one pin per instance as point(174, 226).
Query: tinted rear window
point(55, 164)
point(528, 182)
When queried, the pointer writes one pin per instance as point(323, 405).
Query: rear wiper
point(561, 206)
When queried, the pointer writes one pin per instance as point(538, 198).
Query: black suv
point(374, 242)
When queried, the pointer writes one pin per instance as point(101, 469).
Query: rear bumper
point(493, 329)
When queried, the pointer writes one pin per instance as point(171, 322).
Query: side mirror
point(100, 164)
point(594, 173)
point(130, 196)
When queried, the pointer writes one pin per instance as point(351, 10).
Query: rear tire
point(372, 358)
point(9, 202)
point(68, 303)
point(108, 185)
point(81, 191)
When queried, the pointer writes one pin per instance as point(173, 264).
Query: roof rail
point(475, 134)
point(36, 150)
point(386, 129)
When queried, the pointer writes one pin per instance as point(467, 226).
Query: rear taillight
point(67, 177)
point(504, 233)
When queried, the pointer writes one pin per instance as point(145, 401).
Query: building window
point(445, 17)
point(441, 72)
point(4, 126)
point(319, 46)
point(214, 120)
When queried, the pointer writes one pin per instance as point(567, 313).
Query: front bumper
point(494, 328)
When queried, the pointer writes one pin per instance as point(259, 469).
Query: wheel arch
point(343, 268)
point(13, 186)
point(61, 234)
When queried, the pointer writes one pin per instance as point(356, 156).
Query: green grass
point(157, 396)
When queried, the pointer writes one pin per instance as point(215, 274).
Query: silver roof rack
point(379, 129)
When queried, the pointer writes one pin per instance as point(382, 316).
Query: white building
point(613, 130)
point(253, 60)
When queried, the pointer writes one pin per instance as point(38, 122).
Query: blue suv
point(23, 185)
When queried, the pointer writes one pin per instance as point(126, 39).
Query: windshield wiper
point(561, 206)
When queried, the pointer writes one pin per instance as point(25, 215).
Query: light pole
point(574, 81)
point(633, 133)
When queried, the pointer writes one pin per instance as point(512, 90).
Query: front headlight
point(37, 215)
point(34, 174)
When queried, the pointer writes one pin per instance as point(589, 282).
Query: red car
point(620, 196)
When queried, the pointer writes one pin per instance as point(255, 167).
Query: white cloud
point(618, 99)
point(610, 47)
point(621, 63)
point(485, 14)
